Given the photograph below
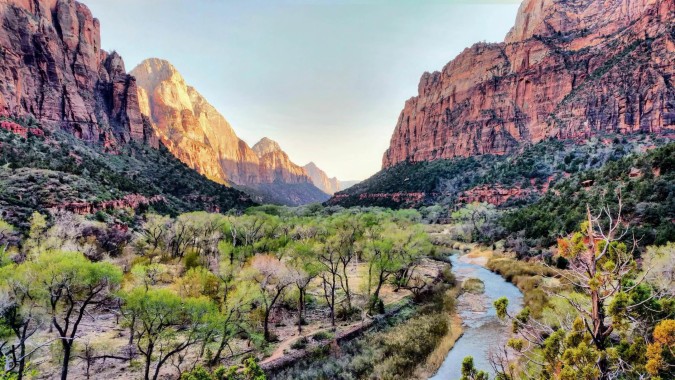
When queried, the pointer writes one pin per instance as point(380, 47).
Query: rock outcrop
point(321, 180)
point(275, 166)
point(567, 70)
point(52, 68)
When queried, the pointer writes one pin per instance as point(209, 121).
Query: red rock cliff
point(567, 69)
point(197, 134)
point(52, 67)
point(276, 166)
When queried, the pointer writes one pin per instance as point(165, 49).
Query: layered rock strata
point(567, 70)
point(52, 68)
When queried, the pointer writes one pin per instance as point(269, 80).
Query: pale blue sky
point(326, 79)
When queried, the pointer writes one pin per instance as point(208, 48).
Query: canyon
point(566, 70)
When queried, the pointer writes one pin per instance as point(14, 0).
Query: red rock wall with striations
point(568, 69)
point(52, 67)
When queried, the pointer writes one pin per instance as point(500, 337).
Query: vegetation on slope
point(529, 168)
point(40, 172)
point(646, 183)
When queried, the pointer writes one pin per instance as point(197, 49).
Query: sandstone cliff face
point(197, 134)
point(276, 166)
point(568, 69)
point(52, 67)
point(320, 179)
point(189, 127)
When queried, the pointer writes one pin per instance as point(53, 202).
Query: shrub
point(473, 285)
point(300, 344)
point(323, 335)
point(191, 260)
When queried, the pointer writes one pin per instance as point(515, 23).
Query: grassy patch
point(473, 285)
point(528, 277)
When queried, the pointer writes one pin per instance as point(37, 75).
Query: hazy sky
point(327, 79)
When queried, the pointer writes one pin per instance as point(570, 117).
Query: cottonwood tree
point(231, 320)
point(148, 275)
point(271, 278)
point(155, 232)
point(328, 258)
point(392, 253)
point(166, 325)
point(348, 229)
point(244, 231)
point(19, 313)
point(306, 268)
point(8, 236)
point(412, 245)
point(70, 285)
point(34, 244)
point(205, 231)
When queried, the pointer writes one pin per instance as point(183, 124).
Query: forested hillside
point(43, 169)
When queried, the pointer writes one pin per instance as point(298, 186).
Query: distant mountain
point(195, 132)
point(321, 180)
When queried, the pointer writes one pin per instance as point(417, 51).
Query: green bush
point(300, 344)
point(192, 260)
point(323, 335)
point(473, 285)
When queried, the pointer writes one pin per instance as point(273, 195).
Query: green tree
point(71, 285)
point(166, 325)
point(271, 278)
point(306, 268)
point(36, 234)
point(156, 231)
point(469, 372)
point(19, 315)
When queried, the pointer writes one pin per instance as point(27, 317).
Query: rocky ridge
point(197, 134)
point(276, 166)
point(567, 70)
point(69, 111)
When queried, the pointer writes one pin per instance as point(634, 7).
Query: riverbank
point(436, 358)
point(482, 330)
point(392, 346)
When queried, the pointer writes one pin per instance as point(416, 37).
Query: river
point(482, 329)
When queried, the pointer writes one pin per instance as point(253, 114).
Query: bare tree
point(272, 277)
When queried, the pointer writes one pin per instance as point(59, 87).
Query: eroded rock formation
point(195, 132)
point(275, 166)
point(52, 67)
point(568, 69)
point(321, 180)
